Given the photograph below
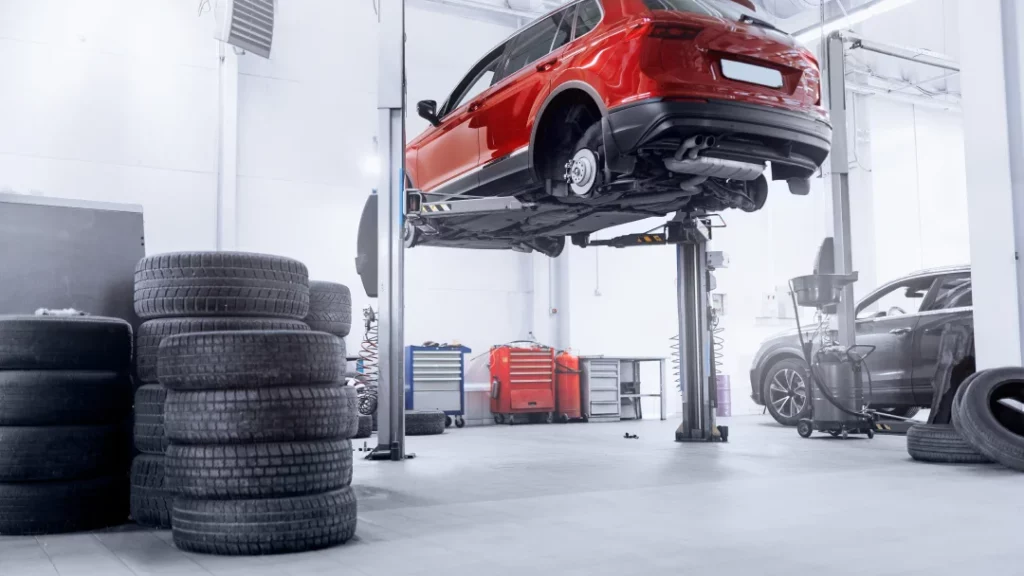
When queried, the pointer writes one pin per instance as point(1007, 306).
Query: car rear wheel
point(785, 391)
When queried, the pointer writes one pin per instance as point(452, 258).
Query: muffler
point(715, 168)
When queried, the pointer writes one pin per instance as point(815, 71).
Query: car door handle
point(900, 331)
point(547, 66)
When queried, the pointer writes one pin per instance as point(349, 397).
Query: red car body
point(646, 78)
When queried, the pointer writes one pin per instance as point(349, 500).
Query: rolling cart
point(435, 379)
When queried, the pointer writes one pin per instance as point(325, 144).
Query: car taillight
point(674, 31)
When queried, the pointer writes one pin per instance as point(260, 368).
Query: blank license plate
point(744, 72)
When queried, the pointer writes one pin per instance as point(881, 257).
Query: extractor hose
point(814, 375)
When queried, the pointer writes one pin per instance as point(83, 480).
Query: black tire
point(259, 470)
point(365, 429)
point(954, 410)
point(995, 430)
point(287, 414)
point(150, 436)
point(221, 284)
point(150, 499)
point(56, 507)
point(65, 343)
point(250, 359)
point(785, 379)
point(330, 308)
point(62, 452)
point(941, 443)
point(352, 415)
point(267, 526)
point(424, 423)
point(59, 397)
point(147, 344)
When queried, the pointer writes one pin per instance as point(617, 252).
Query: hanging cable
point(369, 362)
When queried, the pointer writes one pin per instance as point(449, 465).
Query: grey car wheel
point(785, 392)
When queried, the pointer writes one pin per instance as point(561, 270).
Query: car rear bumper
point(794, 140)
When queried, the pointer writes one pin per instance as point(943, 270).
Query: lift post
point(696, 369)
point(390, 223)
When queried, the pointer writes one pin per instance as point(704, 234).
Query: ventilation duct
point(247, 24)
point(783, 9)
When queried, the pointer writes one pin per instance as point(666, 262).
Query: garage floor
point(581, 499)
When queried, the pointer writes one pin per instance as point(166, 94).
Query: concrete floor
point(581, 499)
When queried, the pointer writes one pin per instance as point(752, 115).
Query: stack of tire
point(259, 457)
point(987, 423)
point(330, 311)
point(184, 293)
point(65, 408)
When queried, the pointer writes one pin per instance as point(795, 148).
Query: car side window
point(953, 291)
point(678, 6)
point(898, 300)
point(479, 78)
point(587, 17)
point(534, 43)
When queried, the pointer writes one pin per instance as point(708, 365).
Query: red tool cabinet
point(522, 383)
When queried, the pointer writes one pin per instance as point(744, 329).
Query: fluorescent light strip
point(854, 17)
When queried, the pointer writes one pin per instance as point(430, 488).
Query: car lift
point(835, 48)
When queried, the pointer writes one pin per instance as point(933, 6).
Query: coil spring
point(675, 360)
point(369, 360)
point(717, 343)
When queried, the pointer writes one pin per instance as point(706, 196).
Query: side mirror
point(427, 109)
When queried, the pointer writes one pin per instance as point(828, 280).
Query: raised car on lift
point(611, 111)
point(904, 320)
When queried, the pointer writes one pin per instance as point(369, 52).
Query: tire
point(941, 443)
point(424, 423)
point(269, 526)
point(291, 414)
point(65, 343)
point(221, 284)
point(995, 430)
point(150, 501)
point(954, 410)
point(781, 379)
point(150, 435)
point(56, 507)
point(62, 452)
point(259, 470)
point(330, 308)
point(352, 415)
point(64, 397)
point(147, 344)
point(250, 359)
point(365, 429)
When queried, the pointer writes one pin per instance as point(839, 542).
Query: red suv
point(610, 111)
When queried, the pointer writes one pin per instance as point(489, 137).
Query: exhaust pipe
point(694, 144)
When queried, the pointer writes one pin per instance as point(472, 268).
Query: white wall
point(113, 100)
point(117, 100)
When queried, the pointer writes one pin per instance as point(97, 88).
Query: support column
point(840, 167)
point(390, 221)
point(695, 354)
point(560, 313)
point(991, 38)
point(227, 149)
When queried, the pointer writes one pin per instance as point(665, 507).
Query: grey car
point(903, 319)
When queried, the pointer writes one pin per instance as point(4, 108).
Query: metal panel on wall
point(58, 253)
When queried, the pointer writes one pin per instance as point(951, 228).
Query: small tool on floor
point(629, 436)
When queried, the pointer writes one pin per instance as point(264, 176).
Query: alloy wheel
point(787, 393)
